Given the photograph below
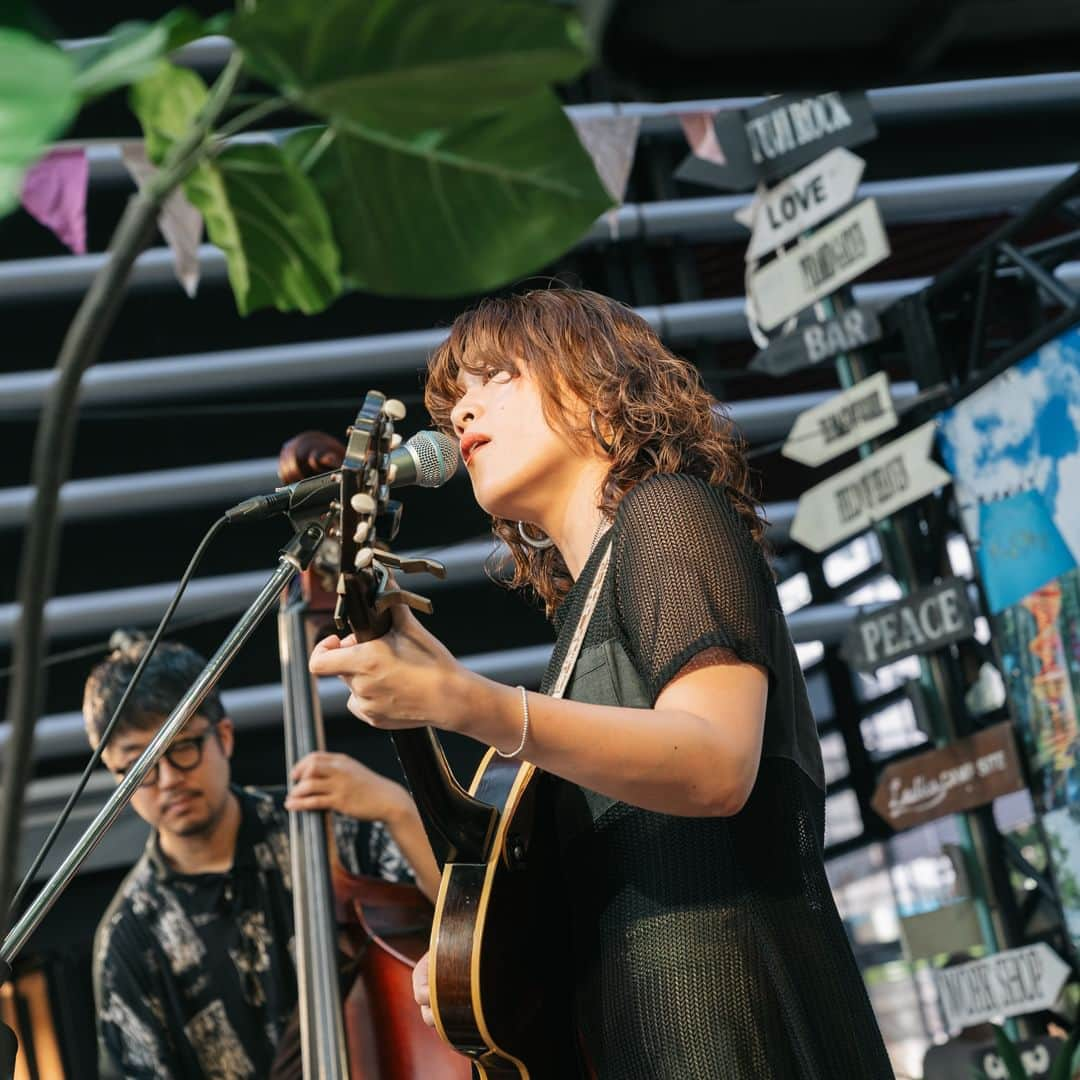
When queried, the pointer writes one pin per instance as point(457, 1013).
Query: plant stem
point(51, 460)
point(251, 116)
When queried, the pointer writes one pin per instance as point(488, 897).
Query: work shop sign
point(967, 773)
point(920, 623)
point(1006, 984)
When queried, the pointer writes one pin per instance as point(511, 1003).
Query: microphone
point(428, 460)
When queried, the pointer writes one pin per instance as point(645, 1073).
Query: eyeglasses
point(184, 754)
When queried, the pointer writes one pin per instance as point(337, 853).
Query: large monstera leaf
point(410, 65)
point(449, 212)
point(37, 101)
point(259, 207)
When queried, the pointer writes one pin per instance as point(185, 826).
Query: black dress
point(706, 947)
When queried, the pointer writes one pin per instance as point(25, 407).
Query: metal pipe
point(83, 614)
point(761, 421)
point(379, 356)
point(712, 218)
point(256, 708)
point(93, 613)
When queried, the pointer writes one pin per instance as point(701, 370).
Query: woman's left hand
point(407, 678)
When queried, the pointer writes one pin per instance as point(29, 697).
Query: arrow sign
point(817, 341)
point(869, 490)
point(773, 139)
point(819, 265)
point(967, 773)
point(801, 201)
point(1024, 980)
point(922, 622)
point(843, 422)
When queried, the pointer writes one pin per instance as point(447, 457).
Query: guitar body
point(501, 978)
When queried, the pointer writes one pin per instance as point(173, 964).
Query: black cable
point(95, 757)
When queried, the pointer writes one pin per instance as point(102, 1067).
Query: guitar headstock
point(365, 588)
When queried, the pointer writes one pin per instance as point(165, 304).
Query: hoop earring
point(595, 425)
point(539, 545)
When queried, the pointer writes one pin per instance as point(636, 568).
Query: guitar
point(500, 985)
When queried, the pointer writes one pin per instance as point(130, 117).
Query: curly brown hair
point(650, 405)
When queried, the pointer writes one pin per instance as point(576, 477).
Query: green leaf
point(268, 219)
point(37, 101)
point(166, 102)
point(454, 212)
point(1009, 1054)
point(130, 51)
point(259, 208)
point(410, 65)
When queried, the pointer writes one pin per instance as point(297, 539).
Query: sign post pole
point(941, 686)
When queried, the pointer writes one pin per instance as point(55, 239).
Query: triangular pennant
point(700, 132)
point(180, 223)
point(54, 192)
point(611, 142)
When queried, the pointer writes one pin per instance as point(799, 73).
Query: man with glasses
point(193, 960)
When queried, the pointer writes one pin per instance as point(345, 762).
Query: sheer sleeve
point(687, 576)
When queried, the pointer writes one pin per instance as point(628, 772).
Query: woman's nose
point(464, 413)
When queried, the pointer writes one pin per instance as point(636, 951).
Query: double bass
point(357, 938)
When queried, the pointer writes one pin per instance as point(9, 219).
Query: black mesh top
point(705, 947)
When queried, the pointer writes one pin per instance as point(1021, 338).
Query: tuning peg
point(395, 441)
point(362, 530)
point(364, 558)
point(362, 503)
point(394, 409)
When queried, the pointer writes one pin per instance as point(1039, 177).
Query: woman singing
point(706, 938)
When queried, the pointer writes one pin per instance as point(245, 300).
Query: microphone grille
point(436, 457)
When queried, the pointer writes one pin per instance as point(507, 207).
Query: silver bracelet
point(524, 727)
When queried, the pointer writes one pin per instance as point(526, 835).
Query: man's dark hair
point(172, 669)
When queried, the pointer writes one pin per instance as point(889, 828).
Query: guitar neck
point(459, 827)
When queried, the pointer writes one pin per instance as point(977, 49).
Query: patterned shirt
point(194, 974)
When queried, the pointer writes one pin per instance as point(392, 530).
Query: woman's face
point(519, 465)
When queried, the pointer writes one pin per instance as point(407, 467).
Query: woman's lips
point(471, 448)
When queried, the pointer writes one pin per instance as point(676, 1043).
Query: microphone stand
point(294, 557)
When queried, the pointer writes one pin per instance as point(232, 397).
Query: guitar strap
point(583, 624)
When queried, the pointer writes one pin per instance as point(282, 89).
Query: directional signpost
point(855, 416)
point(926, 620)
point(801, 201)
point(868, 491)
point(816, 342)
point(1012, 983)
point(819, 265)
point(964, 774)
point(772, 139)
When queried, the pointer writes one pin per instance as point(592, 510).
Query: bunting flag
point(180, 223)
point(700, 132)
point(611, 142)
point(54, 193)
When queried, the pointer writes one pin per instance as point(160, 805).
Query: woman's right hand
point(421, 989)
